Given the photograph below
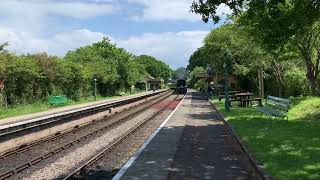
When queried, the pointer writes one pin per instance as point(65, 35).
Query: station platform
point(27, 117)
point(195, 143)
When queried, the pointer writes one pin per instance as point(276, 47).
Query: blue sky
point(164, 29)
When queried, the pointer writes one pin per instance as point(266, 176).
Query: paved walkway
point(63, 109)
point(194, 144)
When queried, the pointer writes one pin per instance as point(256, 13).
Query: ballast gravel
point(108, 166)
point(46, 147)
point(69, 160)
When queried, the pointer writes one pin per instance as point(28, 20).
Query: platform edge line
point(133, 158)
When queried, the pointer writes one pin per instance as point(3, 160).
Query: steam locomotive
point(181, 87)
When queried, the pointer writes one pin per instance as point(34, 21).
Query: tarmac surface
point(194, 144)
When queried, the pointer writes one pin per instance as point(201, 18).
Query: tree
point(154, 67)
point(276, 23)
point(193, 82)
point(2, 46)
point(199, 58)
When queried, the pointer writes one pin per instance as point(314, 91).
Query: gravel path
point(68, 160)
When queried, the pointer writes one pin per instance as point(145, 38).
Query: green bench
point(275, 107)
point(58, 100)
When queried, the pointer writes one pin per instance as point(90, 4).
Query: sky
point(165, 29)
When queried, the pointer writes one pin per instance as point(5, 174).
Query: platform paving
point(26, 117)
point(194, 144)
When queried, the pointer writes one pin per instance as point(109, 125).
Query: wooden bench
point(275, 107)
point(58, 100)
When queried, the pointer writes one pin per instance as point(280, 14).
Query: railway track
point(115, 143)
point(11, 131)
point(29, 147)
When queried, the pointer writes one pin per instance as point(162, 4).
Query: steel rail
point(11, 131)
point(27, 147)
point(116, 142)
point(74, 142)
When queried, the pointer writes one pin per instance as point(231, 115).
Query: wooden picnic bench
point(275, 107)
point(58, 100)
point(231, 96)
point(244, 99)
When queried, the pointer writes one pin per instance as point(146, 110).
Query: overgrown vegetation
point(280, 38)
point(34, 77)
point(288, 150)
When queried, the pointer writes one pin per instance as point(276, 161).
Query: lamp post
point(226, 84)
point(208, 79)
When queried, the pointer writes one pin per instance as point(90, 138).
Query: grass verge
point(287, 150)
point(24, 109)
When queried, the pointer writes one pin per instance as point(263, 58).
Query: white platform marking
point(133, 158)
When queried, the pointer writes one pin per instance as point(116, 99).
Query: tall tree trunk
point(312, 69)
point(278, 73)
point(261, 84)
point(308, 44)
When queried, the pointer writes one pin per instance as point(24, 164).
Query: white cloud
point(173, 48)
point(161, 10)
point(79, 10)
point(62, 42)
point(22, 42)
point(42, 16)
point(59, 44)
point(30, 26)
point(158, 10)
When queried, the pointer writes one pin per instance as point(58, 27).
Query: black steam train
point(181, 87)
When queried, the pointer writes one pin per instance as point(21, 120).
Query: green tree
point(199, 58)
point(2, 47)
point(154, 67)
point(193, 80)
point(275, 24)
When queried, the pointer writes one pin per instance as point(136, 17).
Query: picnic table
point(231, 95)
point(244, 98)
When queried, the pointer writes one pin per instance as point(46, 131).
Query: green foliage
point(193, 82)
point(22, 78)
point(33, 78)
point(154, 67)
point(200, 58)
point(208, 9)
point(200, 85)
point(295, 82)
point(276, 27)
point(2, 46)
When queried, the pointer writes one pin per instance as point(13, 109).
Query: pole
point(226, 89)
point(262, 85)
point(259, 81)
point(95, 89)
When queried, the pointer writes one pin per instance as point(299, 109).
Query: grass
point(24, 109)
point(287, 150)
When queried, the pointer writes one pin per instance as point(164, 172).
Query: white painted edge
point(138, 153)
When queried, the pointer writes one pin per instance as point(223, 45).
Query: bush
point(295, 82)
